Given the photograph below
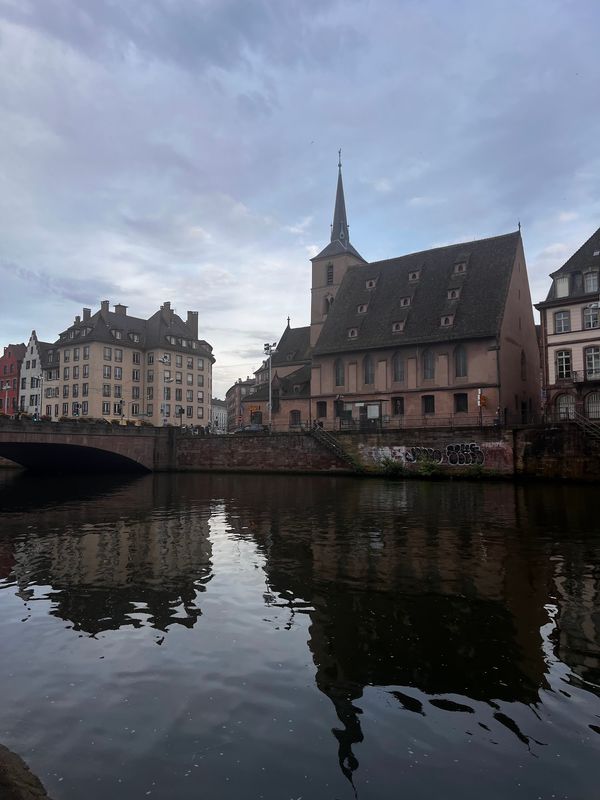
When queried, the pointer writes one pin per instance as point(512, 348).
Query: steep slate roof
point(152, 332)
point(580, 262)
point(300, 377)
point(477, 313)
point(293, 346)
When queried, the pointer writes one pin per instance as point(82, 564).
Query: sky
point(186, 150)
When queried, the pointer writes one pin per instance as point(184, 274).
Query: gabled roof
point(296, 384)
point(477, 313)
point(581, 261)
point(293, 346)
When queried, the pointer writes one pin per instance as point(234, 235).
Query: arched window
point(460, 362)
point(428, 365)
point(338, 370)
point(592, 405)
point(327, 303)
point(398, 368)
point(295, 418)
point(565, 405)
point(368, 372)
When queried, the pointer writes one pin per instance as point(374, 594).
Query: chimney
point(104, 306)
point(77, 319)
point(167, 312)
point(120, 309)
point(87, 313)
point(192, 321)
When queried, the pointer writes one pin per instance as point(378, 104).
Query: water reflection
point(470, 610)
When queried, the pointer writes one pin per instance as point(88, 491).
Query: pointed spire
point(339, 229)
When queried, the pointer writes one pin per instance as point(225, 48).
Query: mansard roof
point(413, 292)
point(151, 333)
point(583, 260)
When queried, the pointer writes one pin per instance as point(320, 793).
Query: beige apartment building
point(570, 331)
point(114, 366)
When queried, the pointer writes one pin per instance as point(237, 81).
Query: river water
point(195, 636)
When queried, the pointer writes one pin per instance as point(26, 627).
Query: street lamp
point(269, 349)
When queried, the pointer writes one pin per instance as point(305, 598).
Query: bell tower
point(330, 265)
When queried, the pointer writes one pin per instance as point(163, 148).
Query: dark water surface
point(245, 637)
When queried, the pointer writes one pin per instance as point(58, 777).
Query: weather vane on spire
point(340, 158)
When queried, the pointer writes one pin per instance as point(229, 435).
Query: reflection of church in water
point(410, 601)
point(107, 570)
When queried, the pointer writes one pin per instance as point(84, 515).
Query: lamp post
point(269, 350)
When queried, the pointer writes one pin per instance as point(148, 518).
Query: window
point(178, 393)
point(562, 321)
point(166, 359)
point(150, 393)
point(150, 376)
point(149, 409)
point(23, 383)
point(118, 373)
point(362, 308)
point(167, 393)
point(352, 333)
point(561, 286)
point(85, 389)
point(75, 373)
point(461, 403)
point(135, 392)
point(329, 276)
point(590, 318)
point(179, 361)
point(86, 351)
point(118, 390)
point(75, 390)
point(66, 374)
point(135, 409)
point(447, 320)
point(166, 409)
point(75, 409)
point(135, 375)
point(178, 377)
point(106, 371)
point(106, 390)
point(592, 405)
point(370, 284)
point(117, 334)
point(295, 418)
point(189, 411)
point(190, 363)
point(460, 267)
point(118, 408)
point(453, 294)
point(200, 380)
point(200, 363)
point(414, 276)
point(189, 379)
point(428, 404)
point(167, 375)
point(200, 412)
point(85, 408)
point(66, 357)
point(428, 365)
point(397, 368)
point(189, 396)
point(86, 370)
point(565, 405)
point(150, 359)
point(338, 369)
point(398, 406)
point(107, 353)
point(368, 371)
point(65, 409)
point(460, 362)
point(118, 354)
point(405, 301)
point(75, 354)
point(398, 327)
point(592, 362)
point(65, 390)
point(590, 282)
point(135, 337)
point(136, 357)
point(321, 408)
point(563, 364)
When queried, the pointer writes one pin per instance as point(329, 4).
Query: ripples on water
point(292, 637)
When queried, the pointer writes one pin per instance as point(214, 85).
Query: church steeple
point(339, 229)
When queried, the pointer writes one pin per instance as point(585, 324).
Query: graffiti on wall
point(459, 454)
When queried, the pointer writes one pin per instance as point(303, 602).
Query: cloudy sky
point(186, 150)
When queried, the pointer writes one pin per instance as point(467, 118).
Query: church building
point(439, 337)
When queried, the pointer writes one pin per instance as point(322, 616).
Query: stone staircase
point(331, 443)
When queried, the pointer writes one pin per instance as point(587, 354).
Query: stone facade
point(10, 368)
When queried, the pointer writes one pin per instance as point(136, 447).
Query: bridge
point(86, 447)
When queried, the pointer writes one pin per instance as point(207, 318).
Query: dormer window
point(447, 320)
point(597, 252)
point(71, 334)
point(398, 327)
point(370, 284)
point(362, 308)
point(453, 294)
point(352, 333)
point(414, 276)
point(590, 282)
point(171, 339)
point(117, 334)
point(404, 301)
point(561, 286)
point(460, 267)
point(135, 337)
